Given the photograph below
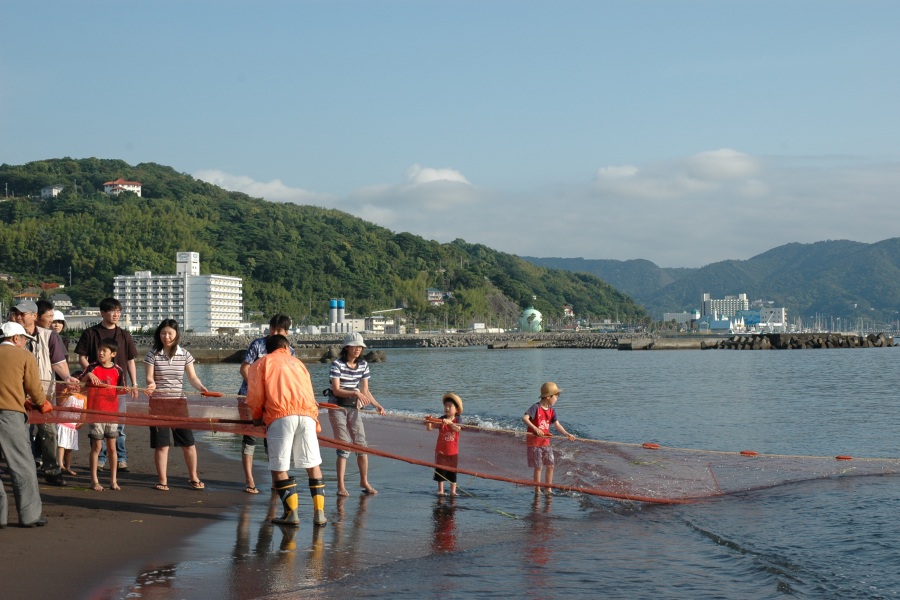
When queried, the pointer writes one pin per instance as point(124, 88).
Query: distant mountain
point(837, 278)
point(638, 278)
point(292, 258)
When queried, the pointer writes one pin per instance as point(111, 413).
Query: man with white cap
point(18, 378)
point(52, 358)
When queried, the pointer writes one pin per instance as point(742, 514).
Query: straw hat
point(549, 389)
point(455, 400)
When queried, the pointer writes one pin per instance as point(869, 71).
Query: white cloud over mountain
point(689, 211)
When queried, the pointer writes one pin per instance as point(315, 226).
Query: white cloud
point(274, 190)
point(616, 172)
point(418, 174)
point(429, 194)
point(685, 212)
point(722, 164)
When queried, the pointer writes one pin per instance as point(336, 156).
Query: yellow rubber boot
point(287, 491)
point(317, 491)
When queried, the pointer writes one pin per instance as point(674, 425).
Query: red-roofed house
point(114, 188)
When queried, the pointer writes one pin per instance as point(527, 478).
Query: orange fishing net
point(622, 471)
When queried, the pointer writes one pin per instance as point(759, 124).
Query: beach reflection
point(276, 564)
point(538, 551)
point(444, 534)
point(346, 536)
point(155, 584)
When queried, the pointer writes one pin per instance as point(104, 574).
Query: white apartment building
point(204, 304)
point(725, 307)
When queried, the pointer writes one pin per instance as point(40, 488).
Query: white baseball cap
point(12, 329)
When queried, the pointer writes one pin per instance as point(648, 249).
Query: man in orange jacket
point(280, 396)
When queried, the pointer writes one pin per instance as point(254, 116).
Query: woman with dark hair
point(349, 377)
point(166, 366)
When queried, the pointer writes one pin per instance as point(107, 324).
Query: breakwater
point(762, 341)
point(323, 348)
point(310, 348)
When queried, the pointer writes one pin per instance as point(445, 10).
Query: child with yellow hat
point(446, 452)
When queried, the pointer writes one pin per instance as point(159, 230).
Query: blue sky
point(680, 131)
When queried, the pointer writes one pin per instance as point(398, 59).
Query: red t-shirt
point(104, 398)
point(448, 440)
point(541, 418)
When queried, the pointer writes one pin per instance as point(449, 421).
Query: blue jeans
point(120, 448)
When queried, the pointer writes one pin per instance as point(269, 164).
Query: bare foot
point(70, 471)
point(343, 492)
point(114, 486)
point(96, 487)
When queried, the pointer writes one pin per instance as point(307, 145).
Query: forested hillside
point(292, 258)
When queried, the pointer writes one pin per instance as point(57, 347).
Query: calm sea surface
point(837, 538)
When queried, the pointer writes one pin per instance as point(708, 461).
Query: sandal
point(161, 487)
point(96, 487)
point(251, 489)
point(197, 485)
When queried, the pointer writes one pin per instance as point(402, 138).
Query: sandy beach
point(91, 535)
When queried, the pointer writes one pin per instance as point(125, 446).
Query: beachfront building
point(203, 304)
point(726, 307)
point(114, 188)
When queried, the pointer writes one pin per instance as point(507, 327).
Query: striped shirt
point(349, 378)
point(168, 373)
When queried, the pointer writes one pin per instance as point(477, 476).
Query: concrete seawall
point(231, 349)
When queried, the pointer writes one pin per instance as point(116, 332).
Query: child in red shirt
point(538, 419)
point(446, 452)
point(103, 377)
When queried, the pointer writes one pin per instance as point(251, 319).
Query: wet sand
point(92, 536)
point(218, 543)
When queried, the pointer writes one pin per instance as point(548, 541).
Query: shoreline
point(91, 537)
point(321, 349)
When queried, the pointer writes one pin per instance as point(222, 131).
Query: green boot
point(287, 491)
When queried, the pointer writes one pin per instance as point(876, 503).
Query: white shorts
point(293, 436)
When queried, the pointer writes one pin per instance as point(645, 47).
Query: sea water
point(834, 538)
